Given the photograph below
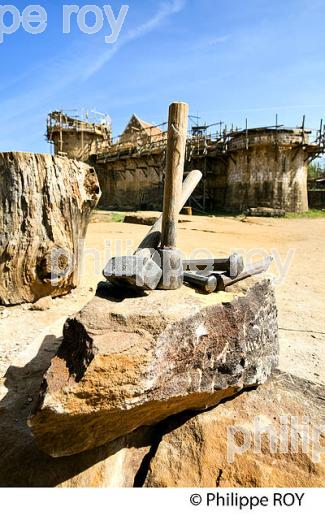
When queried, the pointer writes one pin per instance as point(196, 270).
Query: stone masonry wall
point(267, 176)
point(137, 183)
point(80, 145)
point(132, 183)
point(261, 168)
point(261, 176)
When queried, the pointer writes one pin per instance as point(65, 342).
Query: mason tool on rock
point(232, 266)
point(256, 268)
point(219, 281)
point(134, 270)
point(207, 284)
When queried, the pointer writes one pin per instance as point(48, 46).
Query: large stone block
point(222, 447)
point(134, 361)
point(23, 464)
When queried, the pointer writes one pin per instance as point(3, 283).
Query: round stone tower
point(77, 138)
point(268, 167)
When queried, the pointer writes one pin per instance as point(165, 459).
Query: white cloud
point(43, 85)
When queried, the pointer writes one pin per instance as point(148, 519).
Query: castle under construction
point(242, 168)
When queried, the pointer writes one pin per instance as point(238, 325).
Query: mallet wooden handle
point(176, 145)
point(153, 237)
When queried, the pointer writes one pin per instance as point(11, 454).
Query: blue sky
point(228, 60)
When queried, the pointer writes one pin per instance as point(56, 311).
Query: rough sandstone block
point(126, 363)
point(202, 451)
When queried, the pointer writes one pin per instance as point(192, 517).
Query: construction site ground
point(298, 270)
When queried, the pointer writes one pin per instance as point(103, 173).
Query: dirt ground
point(298, 270)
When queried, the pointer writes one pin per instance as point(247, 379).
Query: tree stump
point(45, 206)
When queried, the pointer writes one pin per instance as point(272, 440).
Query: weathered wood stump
point(45, 205)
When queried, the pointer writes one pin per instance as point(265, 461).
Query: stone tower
point(268, 167)
point(77, 138)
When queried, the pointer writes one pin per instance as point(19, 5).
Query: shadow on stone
point(22, 464)
point(118, 293)
point(169, 425)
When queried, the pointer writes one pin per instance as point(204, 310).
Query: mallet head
point(139, 271)
point(172, 269)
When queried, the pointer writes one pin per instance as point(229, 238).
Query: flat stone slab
point(127, 362)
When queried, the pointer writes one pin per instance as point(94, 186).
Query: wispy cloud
point(43, 89)
point(166, 9)
point(207, 43)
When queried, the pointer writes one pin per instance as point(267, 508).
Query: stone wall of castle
point(132, 183)
point(80, 145)
point(257, 177)
point(268, 176)
point(137, 183)
point(260, 167)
